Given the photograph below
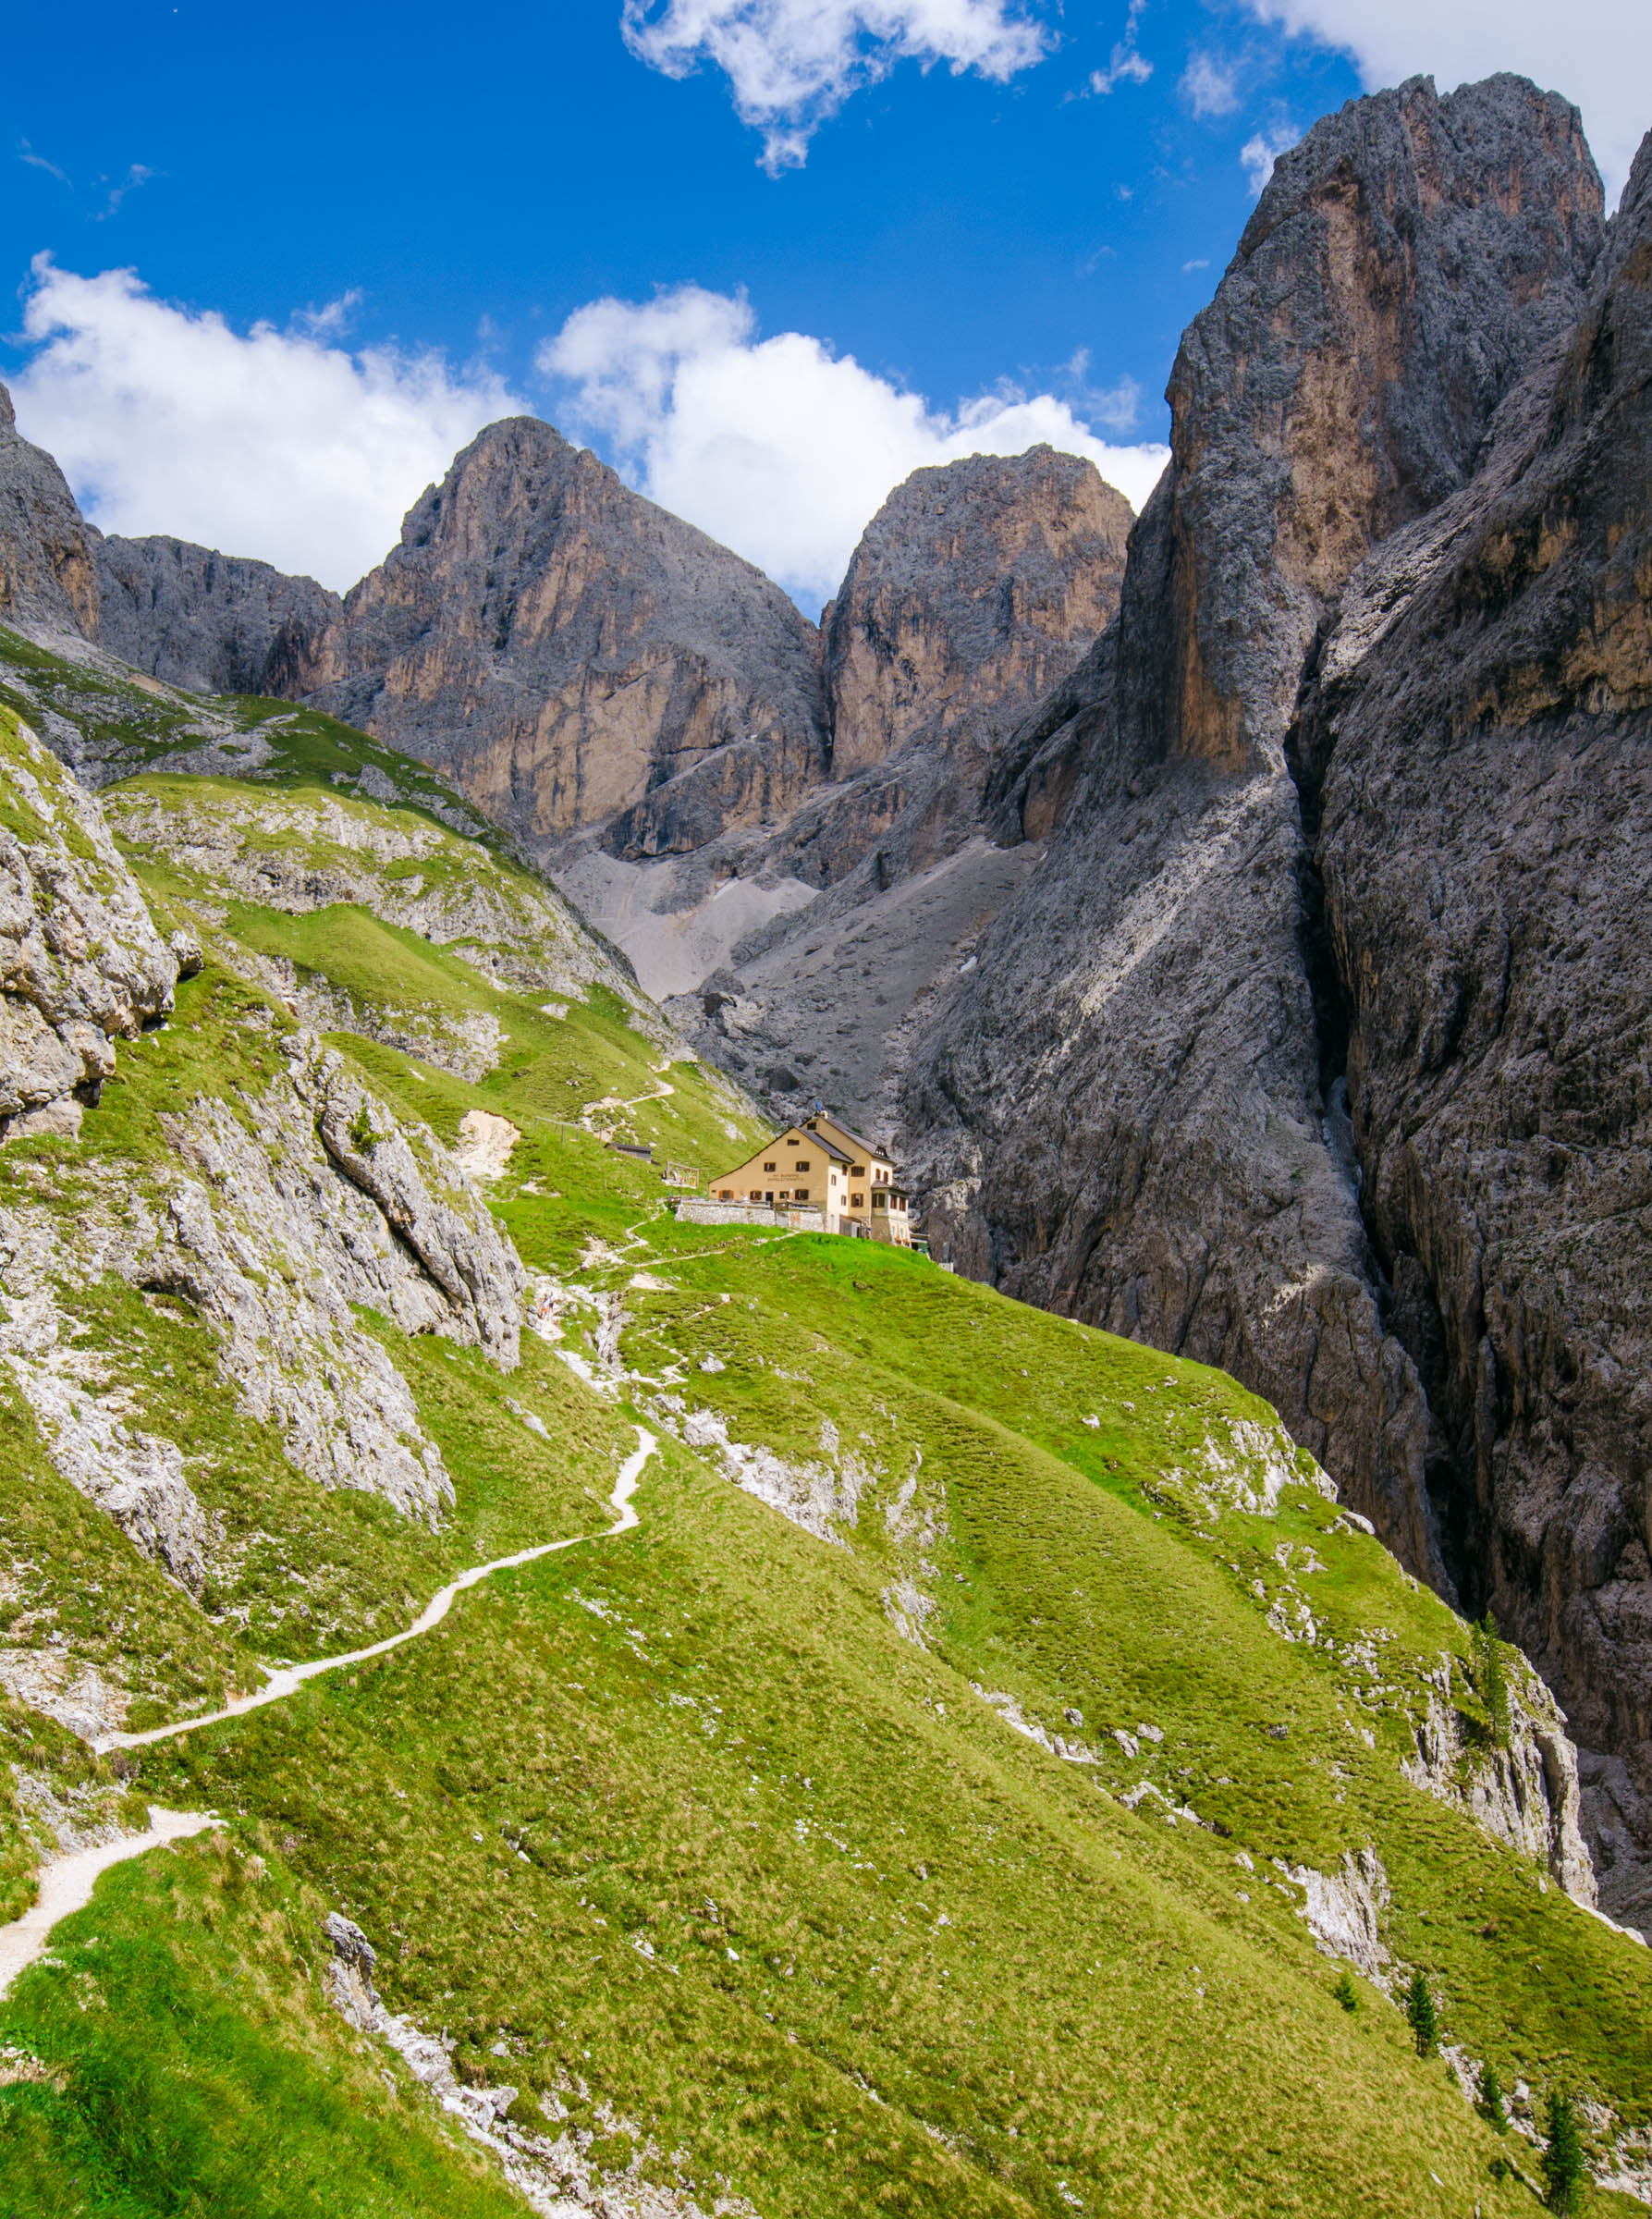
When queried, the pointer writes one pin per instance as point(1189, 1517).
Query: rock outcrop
point(48, 561)
point(1126, 1109)
point(1474, 766)
point(574, 658)
point(301, 852)
point(81, 964)
point(212, 623)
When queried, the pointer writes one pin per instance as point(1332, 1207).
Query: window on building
point(858, 1170)
point(880, 1201)
point(801, 1195)
point(857, 1201)
point(757, 1193)
point(771, 1167)
point(801, 1164)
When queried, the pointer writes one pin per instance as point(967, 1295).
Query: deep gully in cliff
point(1411, 1313)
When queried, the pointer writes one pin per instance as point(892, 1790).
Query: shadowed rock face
point(48, 569)
point(1128, 1109)
point(1476, 760)
point(212, 623)
point(575, 659)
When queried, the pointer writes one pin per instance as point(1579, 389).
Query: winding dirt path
point(66, 1885)
point(65, 1882)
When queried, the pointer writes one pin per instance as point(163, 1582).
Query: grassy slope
point(684, 1825)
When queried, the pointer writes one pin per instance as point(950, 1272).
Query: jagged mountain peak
point(974, 587)
point(1401, 268)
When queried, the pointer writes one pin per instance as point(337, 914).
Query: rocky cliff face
point(81, 964)
point(1125, 1108)
point(48, 564)
point(976, 586)
point(213, 623)
point(573, 657)
point(1401, 265)
point(1473, 756)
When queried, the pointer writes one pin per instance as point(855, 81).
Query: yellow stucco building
point(822, 1165)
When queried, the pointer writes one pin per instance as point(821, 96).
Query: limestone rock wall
point(1126, 1109)
point(1474, 756)
point(573, 657)
point(48, 555)
point(212, 623)
point(976, 586)
point(1399, 267)
point(81, 964)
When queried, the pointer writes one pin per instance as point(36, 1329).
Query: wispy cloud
point(265, 442)
point(1200, 262)
point(137, 173)
point(791, 64)
point(1208, 87)
point(1259, 153)
point(1127, 66)
point(778, 446)
point(27, 153)
point(333, 318)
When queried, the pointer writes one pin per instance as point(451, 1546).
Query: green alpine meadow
point(991, 1774)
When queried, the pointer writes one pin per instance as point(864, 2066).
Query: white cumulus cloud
point(1596, 51)
point(276, 443)
point(791, 64)
point(778, 446)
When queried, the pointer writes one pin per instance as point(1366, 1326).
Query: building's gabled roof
point(812, 1138)
point(864, 1148)
point(829, 1147)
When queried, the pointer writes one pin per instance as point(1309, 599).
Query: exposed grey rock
point(212, 623)
point(1525, 1795)
point(137, 1478)
point(81, 964)
point(48, 563)
point(573, 657)
point(1474, 755)
point(1124, 1110)
point(1343, 1911)
point(275, 1224)
point(429, 1205)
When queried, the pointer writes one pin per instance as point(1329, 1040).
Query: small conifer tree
point(1343, 1988)
point(1420, 2011)
point(1492, 1680)
point(1563, 2169)
point(1490, 2102)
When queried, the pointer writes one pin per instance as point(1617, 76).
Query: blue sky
point(416, 206)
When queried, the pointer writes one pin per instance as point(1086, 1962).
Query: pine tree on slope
point(1420, 2011)
point(1563, 2169)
